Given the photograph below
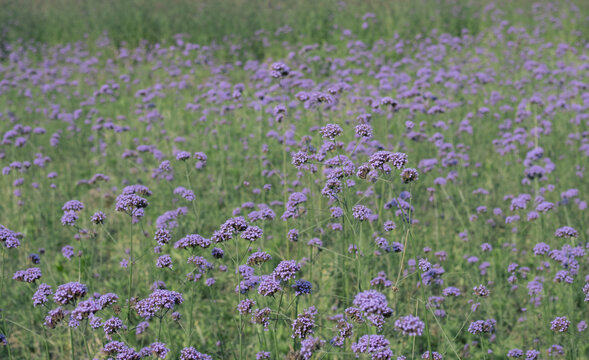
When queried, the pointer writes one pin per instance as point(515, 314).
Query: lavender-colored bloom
point(67, 251)
point(293, 235)
point(310, 345)
point(158, 300)
point(262, 355)
point(560, 324)
point(409, 175)
point(374, 305)
point(29, 275)
point(98, 217)
point(261, 317)
point(69, 292)
point(41, 295)
point(481, 290)
point(141, 327)
point(164, 261)
point(245, 306)
point(192, 240)
point(9, 237)
point(424, 265)
point(183, 155)
point(482, 326)
point(54, 317)
point(190, 353)
point(252, 233)
point(541, 248)
point(331, 131)
point(286, 270)
point(269, 286)
point(112, 326)
point(566, 232)
point(361, 212)
point(302, 287)
point(69, 218)
point(515, 353)
point(434, 355)
point(582, 326)
point(375, 345)
point(410, 325)
point(162, 236)
point(279, 70)
point(257, 258)
point(159, 350)
point(73, 205)
point(304, 324)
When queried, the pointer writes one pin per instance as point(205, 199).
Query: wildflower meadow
point(294, 180)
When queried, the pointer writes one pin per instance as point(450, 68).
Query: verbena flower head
point(190, 353)
point(410, 325)
point(566, 232)
point(331, 131)
point(377, 346)
point(374, 305)
point(29, 275)
point(286, 270)
point(69, 293)
point(560, 324)
point(158, 300)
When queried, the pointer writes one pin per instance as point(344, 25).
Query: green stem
point(72, 342)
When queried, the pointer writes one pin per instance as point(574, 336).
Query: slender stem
point(131, 260)
point(72, 342)
point(423, 298)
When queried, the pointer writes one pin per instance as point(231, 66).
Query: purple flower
point(257, 258)
point(69, 218)
point(331, 131)
point(565, 232)
point(434, 355)
point(410, 325)
point(164, 261)
point(309, 345)
point(302, 287)
point(482, 326)
point(481, 290)
point(112, 326)
point(159, 350)
point(69, 292)
point(67, 251)
point(158, 300)
point(98, 217)
point(252, 233)
point(560, 324)
point(141, 327)
point(191, 241)
point(268, 286)
point(261, 317)
point(182, 155)
point(375, 345)
point(190, 353)
point(245, 306)
point(41, 295)
point(286, 270)
point(29, 275)
point(374, 305)
point(409, 175)
point(361, 212)
point(515, 353)
point(73, 205)
point(262, 355)
point(304, 324)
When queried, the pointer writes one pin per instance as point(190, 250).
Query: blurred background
point(228, 22)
